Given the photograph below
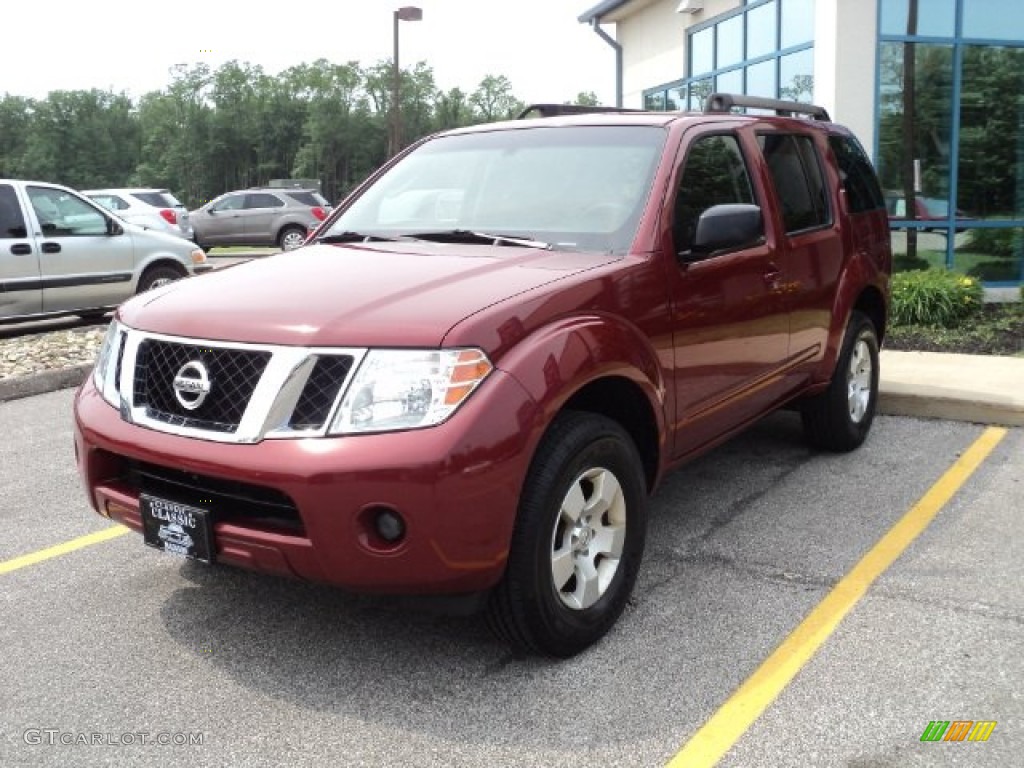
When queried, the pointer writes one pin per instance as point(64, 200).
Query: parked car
point(154, 208)
point(926, 209)
point(482, 364)
point(63, 254)
point(268, 216)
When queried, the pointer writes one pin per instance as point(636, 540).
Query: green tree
point(81, 138)
point(452, 109)
point(493, 99)
point(585, 99)
point(15, 128)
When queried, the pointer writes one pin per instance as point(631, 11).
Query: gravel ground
point(37, 352)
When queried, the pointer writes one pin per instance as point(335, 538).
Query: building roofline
point(601, 9)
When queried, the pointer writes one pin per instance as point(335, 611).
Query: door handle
point(772, 273)
point(21, 249)
point(51, 247)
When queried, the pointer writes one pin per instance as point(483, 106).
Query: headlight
point(409, 388)
point(104, 372)
point(198, 256)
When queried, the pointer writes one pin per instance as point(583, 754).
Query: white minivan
point(61, 253)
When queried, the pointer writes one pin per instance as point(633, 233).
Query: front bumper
point(455, 485)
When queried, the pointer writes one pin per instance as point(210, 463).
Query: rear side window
point(859, 180)
point(312, 199)
point(157, 199)
point(262, 200)
point(110, 202)
point(12, 223)
point(714, 174)
point(796, 173)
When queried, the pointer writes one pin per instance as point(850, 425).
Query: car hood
point(379, 294)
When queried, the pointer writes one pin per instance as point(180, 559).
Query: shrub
point(934, 297)
point(904, 262)
point(994, 242)
point(995, 271)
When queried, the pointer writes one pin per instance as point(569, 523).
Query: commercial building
point(934, 89)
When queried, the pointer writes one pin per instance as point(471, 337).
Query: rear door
point(262, 211)
point(81, 266)
point(20, 289)
point(810, 253)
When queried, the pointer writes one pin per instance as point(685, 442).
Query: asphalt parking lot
point(110, 641)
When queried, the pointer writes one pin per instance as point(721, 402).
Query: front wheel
point(291, 238)
point(840, 417)
point(154, 277)
point(578, 539)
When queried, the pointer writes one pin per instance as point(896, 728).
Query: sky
point(130, 45)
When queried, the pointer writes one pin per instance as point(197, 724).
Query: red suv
point(472, 378)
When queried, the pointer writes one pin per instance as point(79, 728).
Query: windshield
point(581, 187)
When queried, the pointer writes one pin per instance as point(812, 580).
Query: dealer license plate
point(178, 529)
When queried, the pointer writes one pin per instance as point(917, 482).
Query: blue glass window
point(730, 42)
point(797, 25)
point(702, 51)
point(761, 30)
point(994, 19)
point(935, 18)
point(796, 76)
point(761, 79)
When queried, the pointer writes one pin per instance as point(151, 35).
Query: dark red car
point(477, 370)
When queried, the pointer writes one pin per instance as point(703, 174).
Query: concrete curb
point(949, 408)
point(985, 389)
point(41, 383)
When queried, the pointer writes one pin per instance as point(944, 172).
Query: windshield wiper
point(482, 238)
point(355, 237)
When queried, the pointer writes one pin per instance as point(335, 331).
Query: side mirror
point(113, 228)
point(726, 227)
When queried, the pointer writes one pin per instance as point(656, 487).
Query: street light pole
point(406, 13)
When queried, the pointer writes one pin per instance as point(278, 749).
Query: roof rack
point(554, 110)
point(724, 102)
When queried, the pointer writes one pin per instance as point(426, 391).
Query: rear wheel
point(156, 276)
point(291, 238)
point(578, 539)
point(840, 418)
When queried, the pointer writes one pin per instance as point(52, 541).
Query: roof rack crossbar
point(554, 110)
point(724, 102)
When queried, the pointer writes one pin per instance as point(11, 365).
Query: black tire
point(157, 276)
point(528, 609)
point(291, 237)
point(840, 418)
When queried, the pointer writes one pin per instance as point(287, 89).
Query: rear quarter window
point(157, 199)
point(310, 198)
point(863, 192)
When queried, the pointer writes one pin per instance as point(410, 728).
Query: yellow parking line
point(740, 711)
point(7, 566)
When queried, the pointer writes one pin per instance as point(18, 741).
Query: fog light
point(389, 525)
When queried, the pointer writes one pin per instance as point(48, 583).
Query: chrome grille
point(314, 406)
point(234, 374)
